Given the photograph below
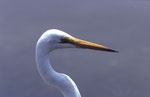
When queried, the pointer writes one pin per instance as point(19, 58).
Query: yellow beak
point(85, 44)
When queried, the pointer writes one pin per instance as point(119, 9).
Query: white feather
point(48, 42)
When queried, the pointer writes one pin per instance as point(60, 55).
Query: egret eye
point(63, 40)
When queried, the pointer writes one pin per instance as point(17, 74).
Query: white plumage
point(54, 39)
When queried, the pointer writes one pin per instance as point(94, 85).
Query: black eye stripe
point(63, 40)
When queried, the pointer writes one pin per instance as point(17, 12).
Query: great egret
point(54, 39)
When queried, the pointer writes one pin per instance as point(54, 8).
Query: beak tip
point(111, 50)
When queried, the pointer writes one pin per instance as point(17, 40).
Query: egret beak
point(85, 44)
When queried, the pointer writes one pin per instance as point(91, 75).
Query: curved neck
point(61, 81)
point(43, 64)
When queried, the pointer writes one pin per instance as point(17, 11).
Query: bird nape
point(54, 39)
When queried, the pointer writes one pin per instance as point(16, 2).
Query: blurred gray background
point(123, 25)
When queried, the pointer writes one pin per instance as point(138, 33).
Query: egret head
point(54, 39)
